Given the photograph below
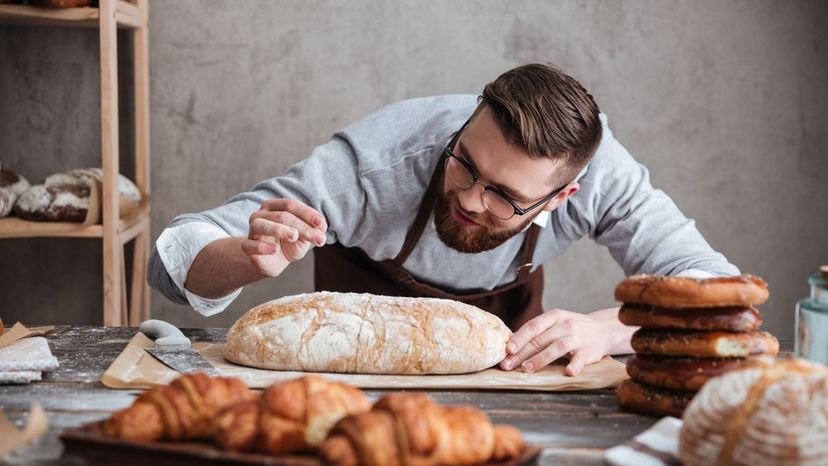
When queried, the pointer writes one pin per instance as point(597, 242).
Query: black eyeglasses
point(500, 204)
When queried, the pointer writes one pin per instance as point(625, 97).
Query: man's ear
point(568, 191)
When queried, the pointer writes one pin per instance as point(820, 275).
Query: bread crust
point(641, 398)
point(683, 292)
point(369, 334)
point(701, 344)
point(735, 318)
point(772, 412)
point(679, 373)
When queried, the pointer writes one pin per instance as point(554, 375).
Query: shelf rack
point(114, 231)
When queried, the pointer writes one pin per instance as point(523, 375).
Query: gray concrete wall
point(724, 101)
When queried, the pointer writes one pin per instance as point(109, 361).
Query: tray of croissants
point(308, 421)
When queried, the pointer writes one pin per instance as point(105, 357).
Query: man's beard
point(467, 239)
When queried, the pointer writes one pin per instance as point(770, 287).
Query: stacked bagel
point(691, 330)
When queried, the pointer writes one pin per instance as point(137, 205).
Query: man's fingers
point(303, 211)
point(530, 330)
point(536, 345)
point(258, 248)
point(550, 354)
point(576, 363)
point(285, 225)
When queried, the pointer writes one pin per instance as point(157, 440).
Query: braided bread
point(182, 410)
point(291, 416)
point(408, 429)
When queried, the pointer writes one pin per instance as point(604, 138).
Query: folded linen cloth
point(656, 446)
point(24, 360)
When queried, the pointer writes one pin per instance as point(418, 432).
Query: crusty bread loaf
point(683, 292)
point(364, 333)
point(12, 186)
point(772, 414)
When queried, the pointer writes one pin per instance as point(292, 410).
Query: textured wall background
point(723, 101)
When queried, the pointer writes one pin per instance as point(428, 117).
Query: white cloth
point(24, 360)
point(656, 446)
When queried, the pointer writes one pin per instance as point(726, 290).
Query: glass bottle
point(812, 320)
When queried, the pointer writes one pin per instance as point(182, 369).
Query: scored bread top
point(368, 334)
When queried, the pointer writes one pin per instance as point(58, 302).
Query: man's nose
point(471, 199)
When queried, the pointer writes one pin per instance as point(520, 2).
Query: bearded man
point(461, 197)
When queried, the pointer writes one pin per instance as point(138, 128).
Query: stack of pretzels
point(691, 331)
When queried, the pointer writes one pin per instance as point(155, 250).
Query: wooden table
point(572, 427)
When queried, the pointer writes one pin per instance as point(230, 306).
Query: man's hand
point(585, 338)
point(281, 232)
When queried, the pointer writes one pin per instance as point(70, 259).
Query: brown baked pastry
point(182, 410)
point(701, 344)
point(681, 292)
point(2, 328)
point(736, 319)
point(772, 414)
point(290, 416)
point(12, 186)
point(412, 429)
point(653, 401)
point(679, 373)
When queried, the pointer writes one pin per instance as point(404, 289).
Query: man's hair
point(547, 113)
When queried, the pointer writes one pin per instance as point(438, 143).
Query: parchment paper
point(135, 368)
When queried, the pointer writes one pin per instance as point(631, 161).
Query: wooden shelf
point(128, 227)
point(126, 15)
point(115, 230)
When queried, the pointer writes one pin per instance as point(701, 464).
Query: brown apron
point(343, 269)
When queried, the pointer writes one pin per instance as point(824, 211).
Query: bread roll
point(369, 334)
point(683, 292)
point(773, 414)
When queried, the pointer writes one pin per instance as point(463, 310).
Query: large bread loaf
point(367, 334)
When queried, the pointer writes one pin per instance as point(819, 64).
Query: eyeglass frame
point(448, 153)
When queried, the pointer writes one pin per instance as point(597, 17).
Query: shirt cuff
point(695, 273)
point(178, 247)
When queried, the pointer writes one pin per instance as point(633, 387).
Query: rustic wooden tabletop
point(572, 427)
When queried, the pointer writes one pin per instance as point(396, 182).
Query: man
point(455, 197)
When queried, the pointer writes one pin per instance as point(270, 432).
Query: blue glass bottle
point(812, 320)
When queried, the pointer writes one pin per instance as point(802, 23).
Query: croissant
point(182, 410)
point(291, 416)
point(411, 429)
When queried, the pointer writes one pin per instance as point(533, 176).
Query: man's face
point(462, 220)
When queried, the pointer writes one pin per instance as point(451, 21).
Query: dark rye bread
point(703, 344)
point(735, 318)
point(678, 373)
point(681, 292)
point(653, 401)
point(12, 186)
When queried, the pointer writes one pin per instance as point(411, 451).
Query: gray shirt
point(369, 178)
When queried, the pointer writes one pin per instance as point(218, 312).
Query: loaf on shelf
point(12, 185)
point(74, 196)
